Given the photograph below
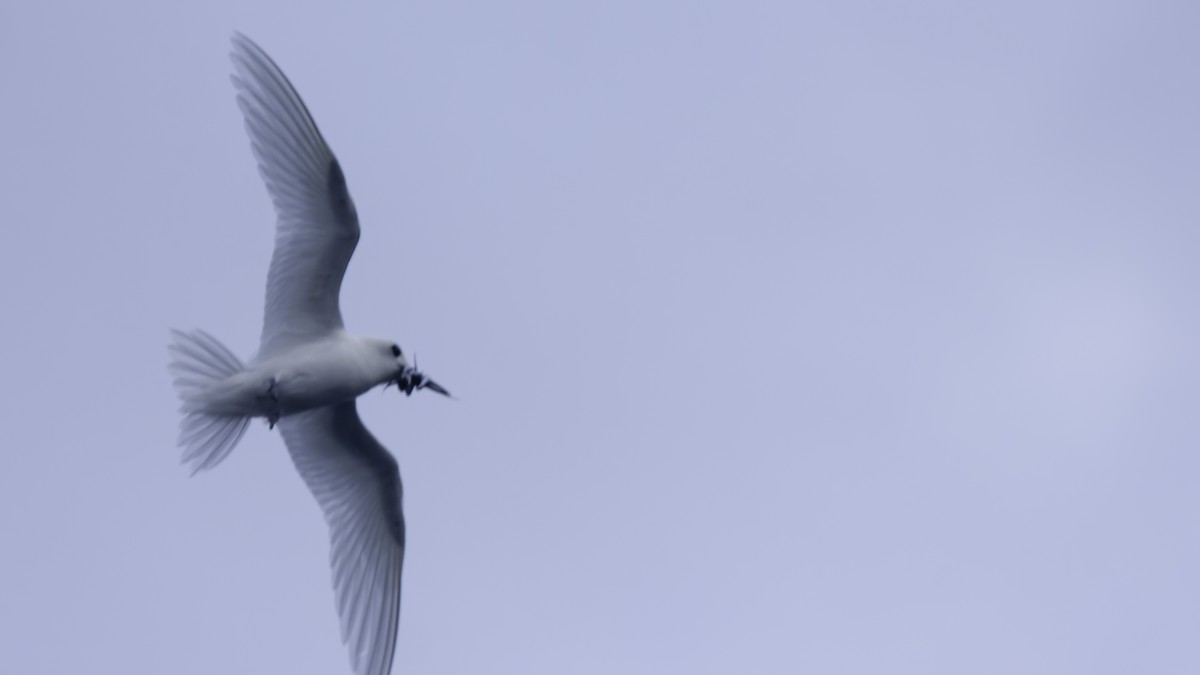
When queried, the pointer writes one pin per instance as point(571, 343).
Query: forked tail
point(198, 363)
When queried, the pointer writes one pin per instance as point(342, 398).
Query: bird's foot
point(273, 397)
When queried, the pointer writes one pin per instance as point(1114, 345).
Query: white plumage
point(308, 370)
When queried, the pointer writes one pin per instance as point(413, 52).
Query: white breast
point(324, 373)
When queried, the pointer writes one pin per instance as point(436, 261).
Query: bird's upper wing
point(357, 484)
point(317, 227)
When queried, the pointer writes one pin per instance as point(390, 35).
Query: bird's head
point(408, 379)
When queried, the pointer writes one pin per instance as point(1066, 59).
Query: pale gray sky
point(842, 338)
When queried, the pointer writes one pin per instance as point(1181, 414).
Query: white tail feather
point(199, 361)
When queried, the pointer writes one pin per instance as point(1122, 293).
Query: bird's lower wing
point(317, 226)
point(357, 484)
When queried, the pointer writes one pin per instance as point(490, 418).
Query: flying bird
point(308, 370)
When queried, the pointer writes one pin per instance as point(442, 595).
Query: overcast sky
point(836, 337)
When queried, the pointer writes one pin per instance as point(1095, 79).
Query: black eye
point(396, 351)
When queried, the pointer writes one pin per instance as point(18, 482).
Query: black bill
point(414, 380)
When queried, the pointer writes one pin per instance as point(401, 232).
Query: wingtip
point(242, 44)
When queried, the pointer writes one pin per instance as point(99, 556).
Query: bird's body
point(333, 369)
point(308, 370)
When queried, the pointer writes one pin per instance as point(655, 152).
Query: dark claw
point(273, 394)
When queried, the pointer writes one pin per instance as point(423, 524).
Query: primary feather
point(357, 484)
point(353, 477)
point(317, 225)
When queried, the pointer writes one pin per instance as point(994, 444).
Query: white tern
point(308, 370)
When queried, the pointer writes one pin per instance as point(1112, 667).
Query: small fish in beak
point(410, 379)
